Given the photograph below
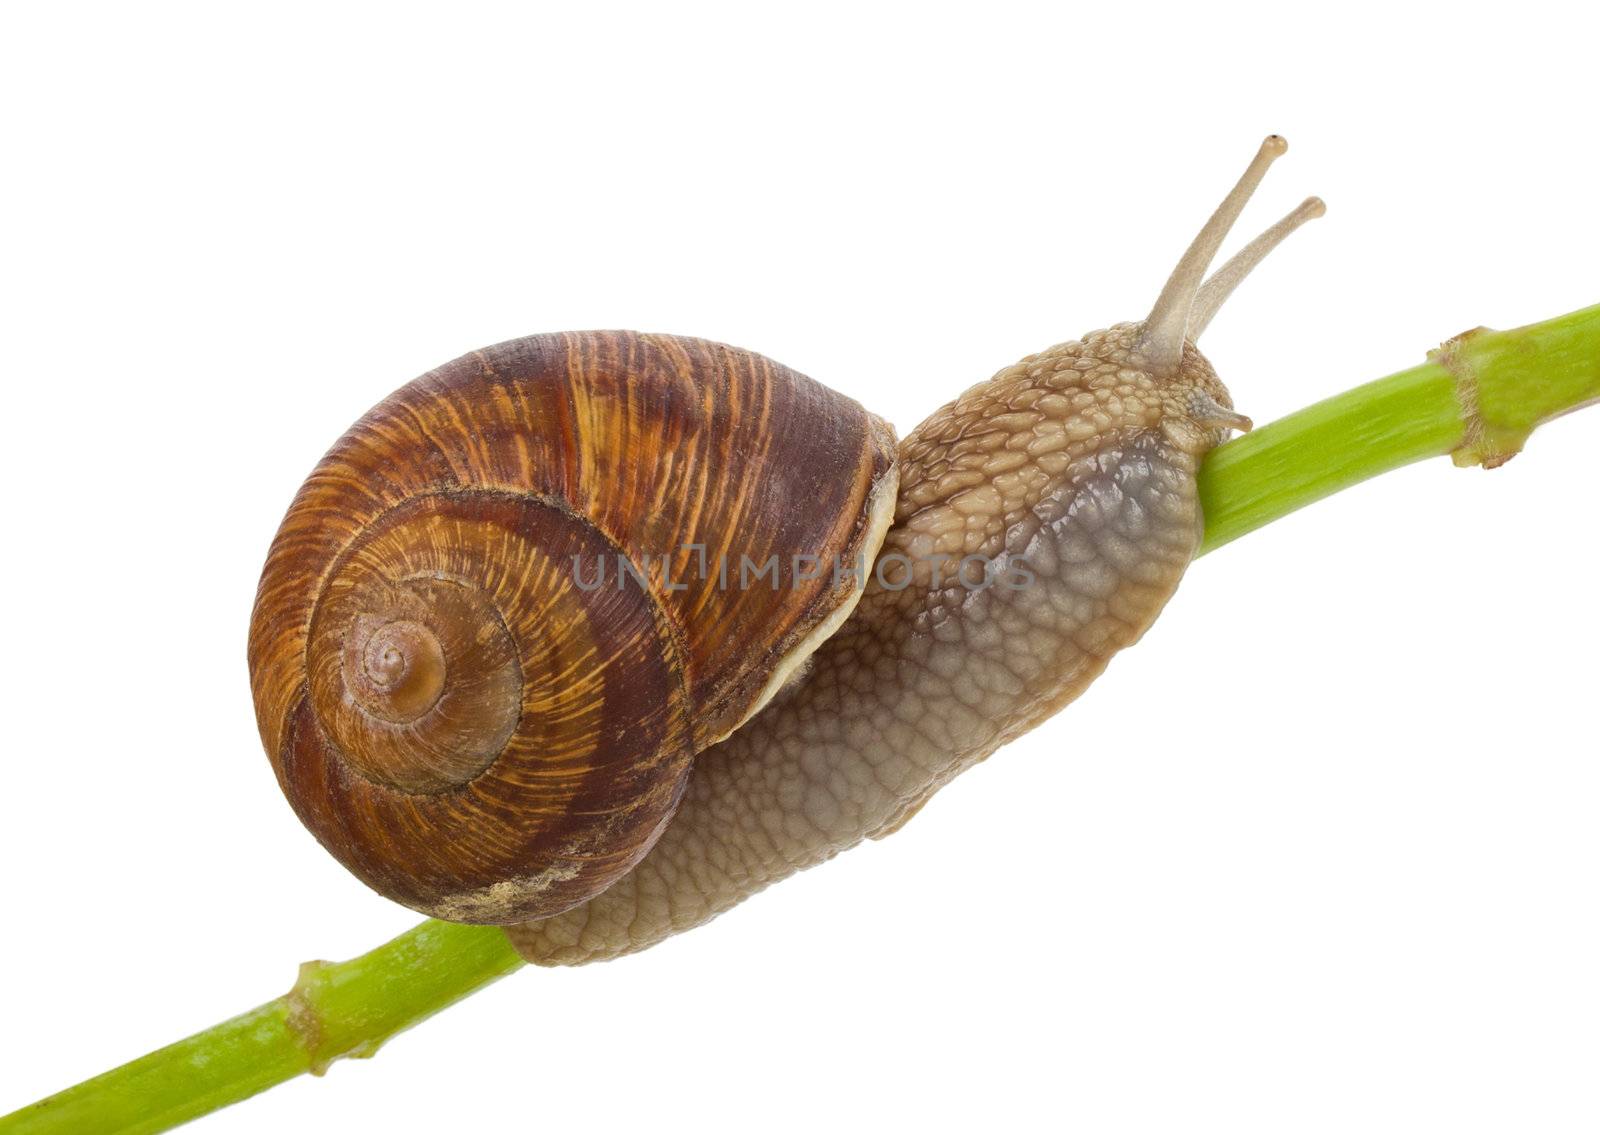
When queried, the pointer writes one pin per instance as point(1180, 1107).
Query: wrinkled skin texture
point(1074, 460)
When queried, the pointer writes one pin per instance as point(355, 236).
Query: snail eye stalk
point(1216, 290)
point(1167, 325)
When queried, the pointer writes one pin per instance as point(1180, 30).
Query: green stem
point(348, 1009)
point(1515, 380)
point(1476, 399)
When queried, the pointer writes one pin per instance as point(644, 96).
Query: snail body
point(1040, 522)
point(922, 682)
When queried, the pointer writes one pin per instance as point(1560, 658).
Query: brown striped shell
point(516, 598)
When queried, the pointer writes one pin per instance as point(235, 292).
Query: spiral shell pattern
point(487, 646)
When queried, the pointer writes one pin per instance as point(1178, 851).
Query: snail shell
point(506, 610)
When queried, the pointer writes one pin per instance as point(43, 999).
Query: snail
point(594, 635)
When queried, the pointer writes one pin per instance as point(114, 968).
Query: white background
point(1321, 854)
